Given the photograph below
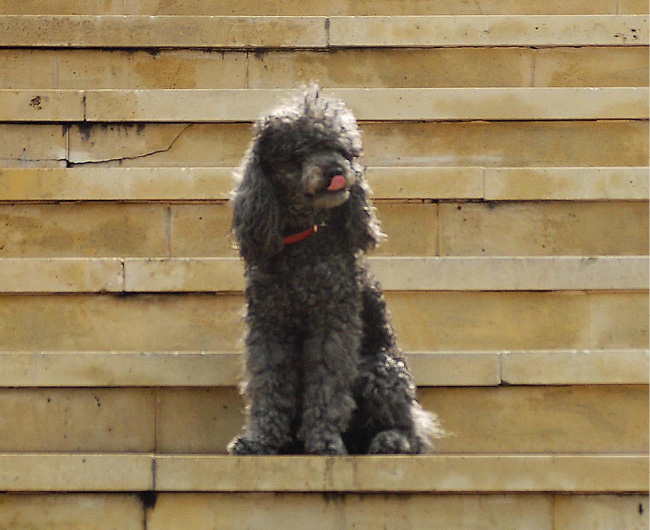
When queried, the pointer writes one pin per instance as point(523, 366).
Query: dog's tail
point(427, 427)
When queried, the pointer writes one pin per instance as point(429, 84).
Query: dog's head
point(304, 157)
point(310, 145)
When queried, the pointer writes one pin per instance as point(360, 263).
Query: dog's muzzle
point(335, 193)
point(328, 185)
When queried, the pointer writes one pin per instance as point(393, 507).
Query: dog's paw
point(390, 443)
point(245, 445)
point(325, 444)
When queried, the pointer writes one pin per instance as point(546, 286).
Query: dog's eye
point(347, 155)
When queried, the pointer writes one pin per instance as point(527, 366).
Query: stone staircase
point(507, 147)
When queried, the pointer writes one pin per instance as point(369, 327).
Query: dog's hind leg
point(390, 418)
point(415, 439)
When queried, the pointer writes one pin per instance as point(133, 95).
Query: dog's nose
point(333, 171)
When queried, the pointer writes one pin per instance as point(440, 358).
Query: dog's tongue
point(337, 183)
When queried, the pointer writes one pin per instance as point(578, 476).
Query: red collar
point(295, 238)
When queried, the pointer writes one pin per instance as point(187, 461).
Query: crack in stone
point(144, 155)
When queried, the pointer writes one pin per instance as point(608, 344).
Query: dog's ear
point(256, 215)
point(361, 224)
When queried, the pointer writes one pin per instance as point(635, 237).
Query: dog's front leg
point(270, 393)
point(331, 359)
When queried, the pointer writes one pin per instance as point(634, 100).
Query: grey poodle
point(324, 373)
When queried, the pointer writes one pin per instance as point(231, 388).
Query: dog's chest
point(307, 289)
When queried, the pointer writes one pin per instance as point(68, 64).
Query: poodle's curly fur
point(324, 374)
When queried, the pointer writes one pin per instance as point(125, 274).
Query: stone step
point(594, 143)
point(183, 275)
point(209, 369)
point(486, 31)
point(414, 228)
point(85, 69)
point(388, 474)
point(321, 32)
point(424, 321)
point(297, 511)
point(388, 183)
point(376, 104)
point(551, 419)
point(440, 474)
point(310, 7)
